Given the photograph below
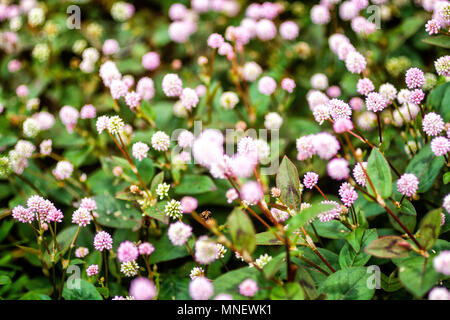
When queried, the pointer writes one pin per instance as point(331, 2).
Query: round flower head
point(127, 251)
point(81, 252)
point(205, 250)
point(129, 268)
point(118, 89)
point(288, 84)
point(103, 241)
point(331, 214)
point(325, 145)
point(92, 270)
point(179, 233)
point(348, 194)
point(22, 91)
point(215, 40)
point(145, 88)
point(440, 146)
point(54, 215)
point(177, 11)
point(334, 91)
point(273, 121)
point(133, 99)
point(146, 248)
point(320, 14)
point(408, 184)
point(189, 98)
point(251, 71)
point(319, 81)
point(228, 100)
point(185, 139)
point(231, 195)
point(305, 147)
point(201, 289)
point(279, 215)
point(140, 150)
point(388, 92)
point(321, 113)
point(416, 96)
point(439, 293)
point(251, 192)
point(188, 204)
point(339, 109)
point(375, 102)
point(63, 170)
point(433, 124)
point(414, 78)
point(160, 141)
point(364, 86)
point(338, 169)
point(223, 296)
point(110, 46)
point(355, 62)
point(115, 124)
point(248, 288)
point(23, 215)
point(82, 217)
point(150, 60)
point(142, 289)
point(102, 123)
point(441, 263)
point(266, 29)
point(173, 209)
point(342, 125)
point(88, 112)
point(69, 116)
point(289, 30)
point(442, 66)
point(172, 85)
point(267, 85)
point(446, 203)
point(310, 179)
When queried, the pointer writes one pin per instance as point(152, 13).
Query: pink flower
point(22, 91)
point(146, 248)
point(118, 89)
point(63, 170)
point(82, 217)
point(442, 66)
point(110, 46)
point(334, 91)
point(414, 78)
point(432, 27)
point(355, 62)
point(69, 117)
point(88, 112)
point(88, 204)
point(440, 146)
point(356, 103)
point(133, 99)
point(442, 262)
point(320, 14)
point(310, 179)
point(14, 65)
point(364, 86)
point(150, 60)
point(289, 30)
point(201, 288)
point(338, 169)
point(127, 251)
point(325, 145)
point(188, 204)
point(185, 139)
point(416, 96)
point(103, 241)
point(288, 84)
point(305, 147)
point(359, 174)
point(408, 184)
point(189, 98)
point(177, 11)
point(439, 293)
point(179, 233)
point(348, 194)
point(331, 214)
point(142, 288)
point(172, 85)
point(251, 192)
point(375, 102)
point(342, 125)
point(22, 215)
point(267, 85)
point(92, 270)
point(215, 40)
point(140, 150)
point(54, 215)
point(339, 109)
point(231, 195)
point(266, 29)
point(145, 88)
point(248, 288)
point(433, 124)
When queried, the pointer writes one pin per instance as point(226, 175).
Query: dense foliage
point(224, 149)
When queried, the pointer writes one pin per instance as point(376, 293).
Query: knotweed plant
point(225, 150)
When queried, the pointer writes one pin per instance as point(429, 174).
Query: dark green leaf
point(388, 247)
point(289, 184)
point(195, 184)
point(380, 175)
point(241, 230)
point(430, 228)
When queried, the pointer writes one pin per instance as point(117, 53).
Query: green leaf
point(195, 184)
point(86, 291)
point(416, 276)
point(158, 179)
point(446, 178)
point(229, 282)
point(116, 213)
point(425, 166)
point(348, 284)
point(274, 265)
point(352, 254)
point(307, 283)
point(430, 228)
point(388, 247)
point(4, 280)
point(380, 175)
point(288, 182)
point(439, 40)
point(268, 238)
point(167, 251)
point(306, 215)
point(34, 296)
point(406, 213)
point(241, 230)
point(290, 291)
point(391, 283)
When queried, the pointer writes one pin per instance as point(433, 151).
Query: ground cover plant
point(224, 149)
